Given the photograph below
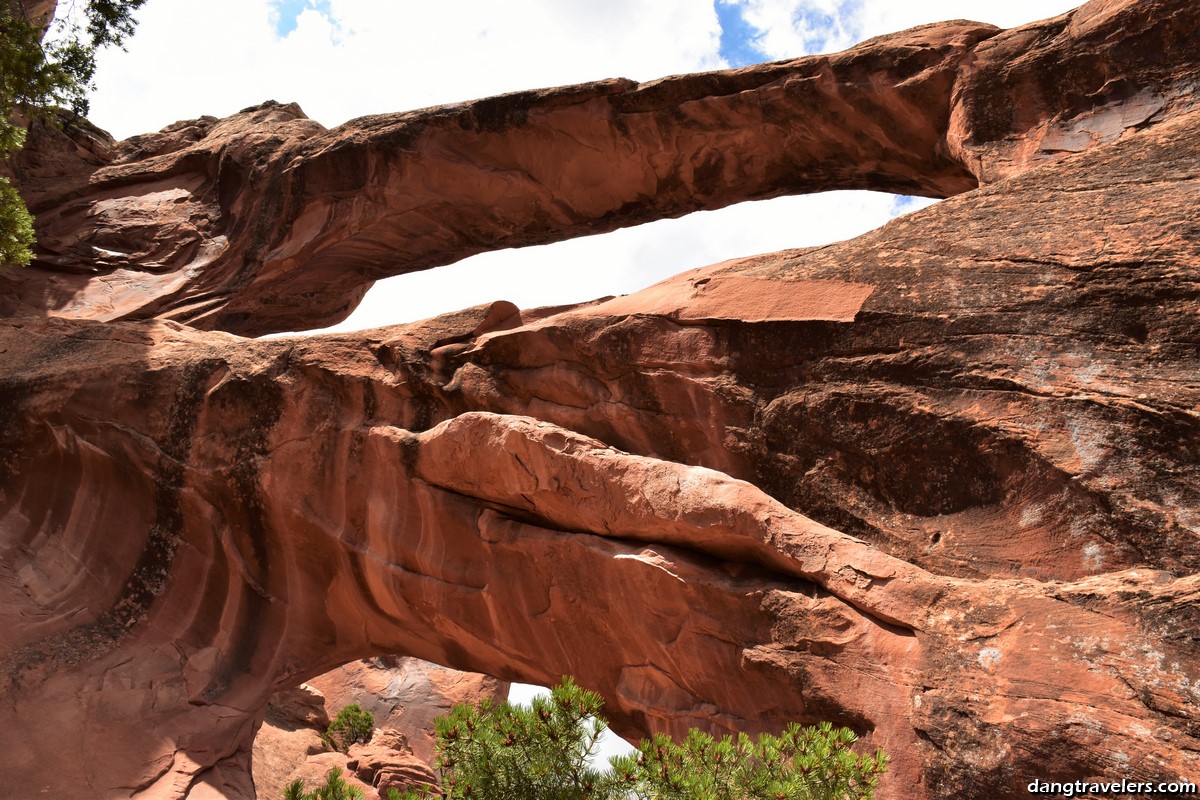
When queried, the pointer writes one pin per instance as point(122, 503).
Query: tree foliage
point(36, 76)
point(541, 752)
point(334, 788)
point(353, 724)
point(16, 227)
point(501, 751)
point(802, 763)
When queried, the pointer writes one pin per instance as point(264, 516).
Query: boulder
point(386, 766)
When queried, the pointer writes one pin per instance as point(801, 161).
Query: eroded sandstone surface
point(940, 483)
point(404, 695)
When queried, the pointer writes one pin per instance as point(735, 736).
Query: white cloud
point(347, 58)
point(790, 28)
point(367, 57)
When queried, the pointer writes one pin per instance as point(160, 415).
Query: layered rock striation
point(940, 483)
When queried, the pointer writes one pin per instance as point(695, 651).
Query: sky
point(341, 59)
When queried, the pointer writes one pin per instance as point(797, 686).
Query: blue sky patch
point(738, 46)
point(816, 20)
point(906, 204)
point(824, 32)
point(289, 11)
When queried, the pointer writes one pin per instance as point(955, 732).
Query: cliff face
point(940, 483)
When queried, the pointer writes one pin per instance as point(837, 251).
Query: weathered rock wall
point(404, 696)
point(940, 483)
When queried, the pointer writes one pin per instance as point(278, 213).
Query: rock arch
point(191, 519)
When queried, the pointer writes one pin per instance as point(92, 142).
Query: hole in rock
point(626, 260)
point(610, 743)
point(404, 696)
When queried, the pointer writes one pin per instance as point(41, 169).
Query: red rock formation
point(387, 762)
point(290, 734)
point(940, 483)
point(404, 695)
point(38, 12)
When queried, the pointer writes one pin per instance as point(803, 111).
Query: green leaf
point(36, 77)
point(352, 725)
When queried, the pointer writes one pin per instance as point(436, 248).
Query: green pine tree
point(36, 76)
point(334, 788)
point(352, 725)
point(802, 763)
point(500, 751)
